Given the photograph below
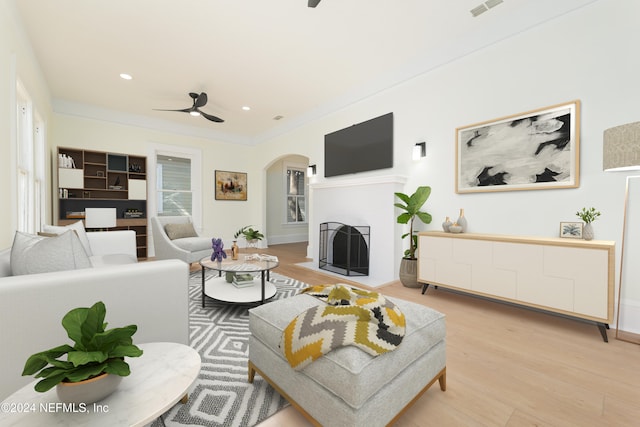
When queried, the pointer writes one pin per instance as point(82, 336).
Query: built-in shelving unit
point(96, 179)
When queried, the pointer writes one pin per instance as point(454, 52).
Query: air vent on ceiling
point(483, 7)
point(478, 10)
point(493, 3)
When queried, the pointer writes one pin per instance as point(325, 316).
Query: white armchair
point(189, 249)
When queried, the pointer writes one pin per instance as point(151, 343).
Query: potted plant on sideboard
point(94, 365)
point(411, 210)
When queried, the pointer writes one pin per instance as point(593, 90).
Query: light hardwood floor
point(507, 366)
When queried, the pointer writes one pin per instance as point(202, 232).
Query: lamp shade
point(100, 217)
point(621, 148)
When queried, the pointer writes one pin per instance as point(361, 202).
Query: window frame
point(195, 155)
point(285, 182)
point(30, 172)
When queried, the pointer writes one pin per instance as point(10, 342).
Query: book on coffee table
point(242, 280)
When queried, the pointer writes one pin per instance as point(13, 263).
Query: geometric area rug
point(220, 333)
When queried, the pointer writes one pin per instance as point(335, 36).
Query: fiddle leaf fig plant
point(96, 350)
point(411, 206)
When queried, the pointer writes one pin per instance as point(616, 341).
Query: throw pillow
point(179, 231)
point(32, 254)
point(79, 229)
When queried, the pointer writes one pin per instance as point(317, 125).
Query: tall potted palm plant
point(411, 210)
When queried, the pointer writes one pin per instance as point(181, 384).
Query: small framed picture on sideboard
point(572, 230)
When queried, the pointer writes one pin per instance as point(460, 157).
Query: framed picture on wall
point(535, 150)
point(571, 230)
point(230, 185)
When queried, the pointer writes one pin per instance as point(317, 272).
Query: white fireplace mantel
point(361, 201)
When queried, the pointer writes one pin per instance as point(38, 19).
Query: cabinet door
point(138, 189)
point(70, 178)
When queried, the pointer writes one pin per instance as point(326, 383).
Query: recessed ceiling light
point(246, 108)
point(126, 76)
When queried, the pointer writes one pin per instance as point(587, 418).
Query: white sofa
point(152, 295)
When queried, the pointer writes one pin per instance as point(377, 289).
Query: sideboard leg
point(424, 287)
point(603, 330)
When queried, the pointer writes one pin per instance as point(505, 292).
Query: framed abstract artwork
point(535, 150)
point(231, 185)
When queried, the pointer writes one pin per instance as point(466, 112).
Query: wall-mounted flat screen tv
point(362, 147)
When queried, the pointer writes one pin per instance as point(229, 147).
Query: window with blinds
point(173, 185)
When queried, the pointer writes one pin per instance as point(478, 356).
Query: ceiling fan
point(198, 101)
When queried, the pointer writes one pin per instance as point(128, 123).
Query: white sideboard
point(571, 277)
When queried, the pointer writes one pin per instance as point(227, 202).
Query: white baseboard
point(288, 238)
point(630, 316)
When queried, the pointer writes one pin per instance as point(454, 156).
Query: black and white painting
point(534, 150)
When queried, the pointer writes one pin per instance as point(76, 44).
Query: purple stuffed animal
point(218, 253)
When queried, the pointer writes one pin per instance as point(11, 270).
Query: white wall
point(586, 55)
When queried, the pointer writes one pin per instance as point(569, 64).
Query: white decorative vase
point(88, 391)
point(587, 231)
point(462, 221)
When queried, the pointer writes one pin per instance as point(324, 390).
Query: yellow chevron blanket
point(352, 316)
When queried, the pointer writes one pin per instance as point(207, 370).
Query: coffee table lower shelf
point(221, 290)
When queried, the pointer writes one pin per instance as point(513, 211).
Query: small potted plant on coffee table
point(94, 365)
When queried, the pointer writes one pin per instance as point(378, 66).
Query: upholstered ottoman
point(348, 387)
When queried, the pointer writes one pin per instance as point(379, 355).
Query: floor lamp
point(621, 152)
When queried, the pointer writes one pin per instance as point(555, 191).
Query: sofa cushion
point(180, 231)
point(193, 244)
point(78, 227)
point(111, 259)
point(32, 254)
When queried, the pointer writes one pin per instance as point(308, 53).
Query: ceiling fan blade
point(184, 110)
point(313, 3)
point(201, 100)
point(210, 117)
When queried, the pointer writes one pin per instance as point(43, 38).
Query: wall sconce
point(311, 170)
point(621, 152)
point(419, 150)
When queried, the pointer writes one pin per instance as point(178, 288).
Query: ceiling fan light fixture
point(199, 100)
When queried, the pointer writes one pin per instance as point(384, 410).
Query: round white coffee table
point(159, 378)
point(219, 289)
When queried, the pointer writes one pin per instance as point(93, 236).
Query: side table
point(160, 378)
